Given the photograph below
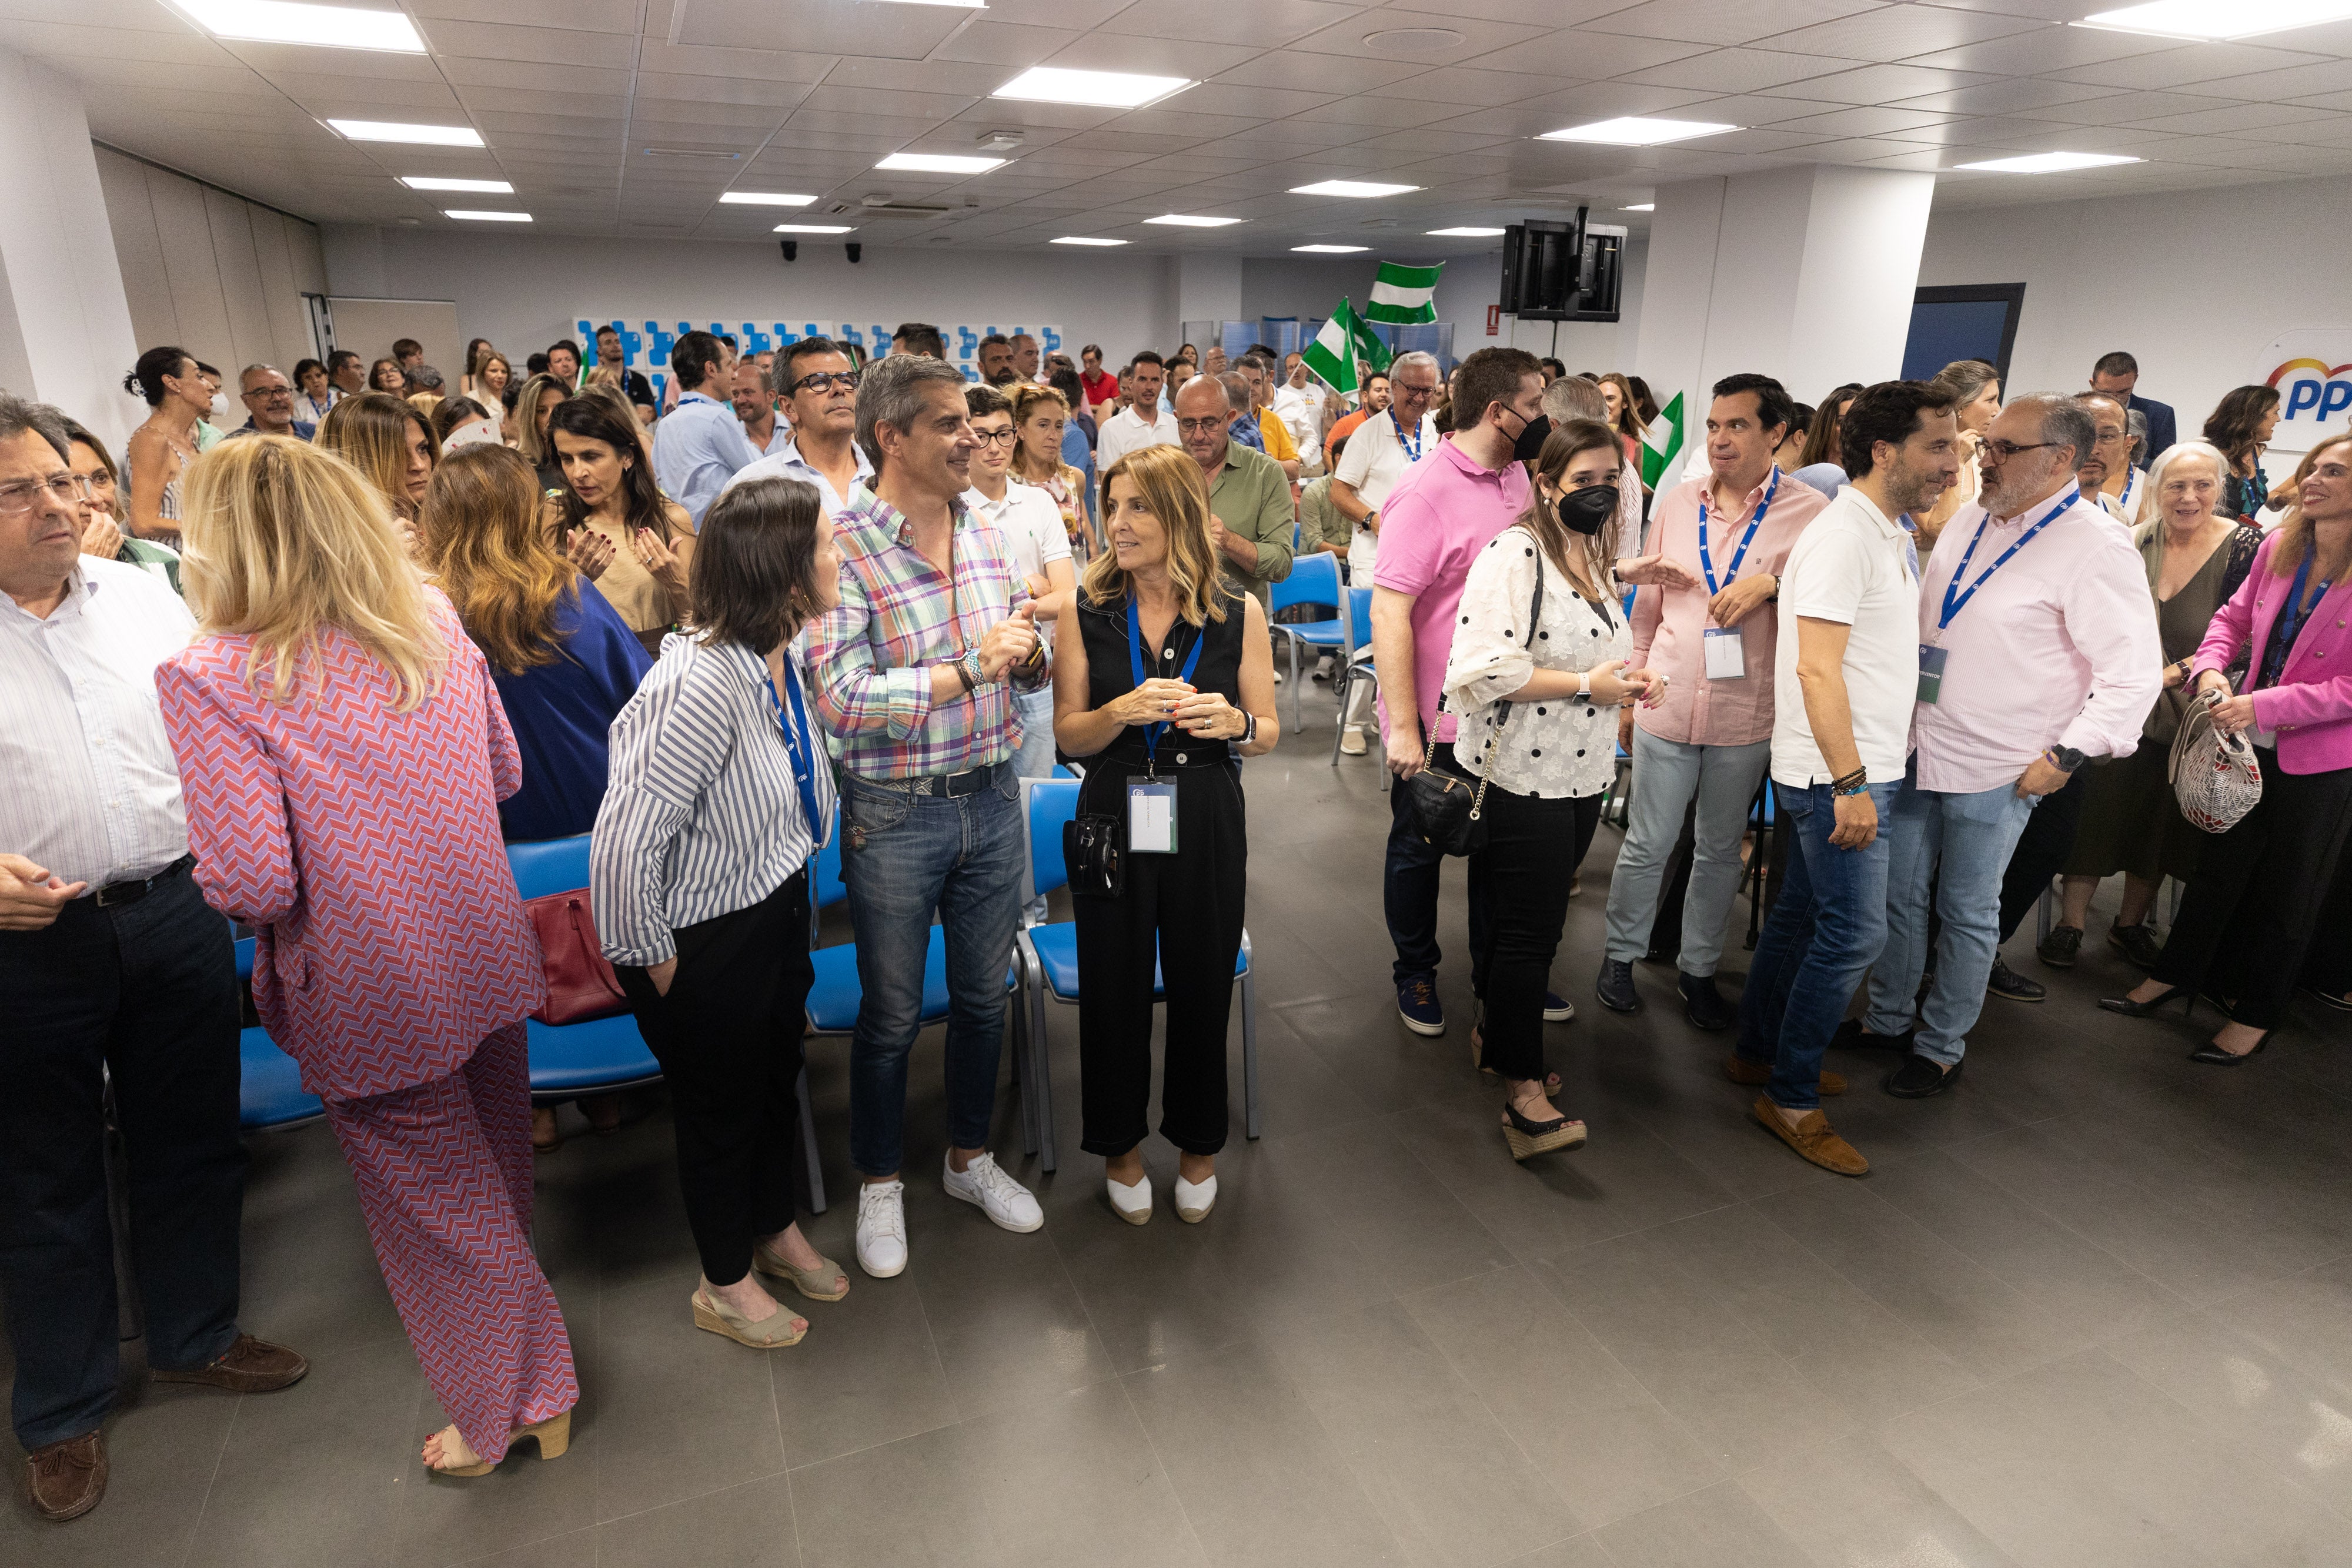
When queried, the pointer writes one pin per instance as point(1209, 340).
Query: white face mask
point(220, 407)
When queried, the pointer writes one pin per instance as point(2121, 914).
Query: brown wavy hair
point(483, 540)
point(2295, 535)
point(1172, 487)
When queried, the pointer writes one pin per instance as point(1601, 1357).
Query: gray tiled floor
point(2094, 1307)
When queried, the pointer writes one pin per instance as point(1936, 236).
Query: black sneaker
point(2058, 948)
point(1417, 1005)
point(1616, 987)
point(2005, 981)
point(1917, 1078)
point(1851, 1036)
point(1704, 1005)
point(2136, 942)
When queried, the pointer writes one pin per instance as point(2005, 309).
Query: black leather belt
point(947, 786)
point(115, 893)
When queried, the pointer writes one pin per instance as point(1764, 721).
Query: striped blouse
point(700, 817)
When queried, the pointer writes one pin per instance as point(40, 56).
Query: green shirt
point(1251, 496)
point(149, 556)
point(1319, 518)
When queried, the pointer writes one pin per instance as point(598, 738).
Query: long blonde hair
point(1027, 402)
point(283, 539)
point(485, 543)
point(1629, 407)
point(539, 451)
point(2295, 535)
point(369, 432)
point(1172, 487)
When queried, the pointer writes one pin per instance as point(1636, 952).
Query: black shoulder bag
point(1448, 807)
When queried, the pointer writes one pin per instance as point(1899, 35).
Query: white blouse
point(1552, 749)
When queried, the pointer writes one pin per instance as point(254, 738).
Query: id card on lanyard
point(1933, 655)
point(1152, 804)
point(1727, 657)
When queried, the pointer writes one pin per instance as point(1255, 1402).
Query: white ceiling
point(810, 93)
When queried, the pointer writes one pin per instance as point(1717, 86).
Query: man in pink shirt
point(2038, 652)
point(1711, 738)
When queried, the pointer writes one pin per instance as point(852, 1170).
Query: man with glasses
point(117, 974)
point(270, 405)
point(755, 409)
point(2038, 651)
point(1249, 499)
point(1380, 450)
point(820, 392)
point(1141, 423)
point(699, 447)
point(2107, 475)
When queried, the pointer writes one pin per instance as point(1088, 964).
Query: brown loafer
point(1750, 1075)
point(67, 1479)
point(250, 1366)
point(1812, 1138)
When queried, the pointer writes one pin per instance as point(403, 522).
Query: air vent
point(881, 207)
point(714, 155)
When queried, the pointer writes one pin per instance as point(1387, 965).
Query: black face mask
point(1530, 445)
point(1588, 511)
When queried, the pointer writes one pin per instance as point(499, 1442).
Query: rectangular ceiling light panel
point(2048, 162)
point(1637, 131)
point(1330, 249)
point(2209, 19)
point(764, 199)
point(485, 217)
point(1466, 234)
point(417, 135)
point(472, 187)
point(1091, 89)
point(286, 22)
point(1359, 188)
point(1086, 239)
point(937, 164)
point(816, 228)
point(1193, 221)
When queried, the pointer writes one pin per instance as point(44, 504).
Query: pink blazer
point(363, 844)
point(2310, 710)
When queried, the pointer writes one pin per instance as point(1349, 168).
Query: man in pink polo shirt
point(1444, 511)
point(1712, 737)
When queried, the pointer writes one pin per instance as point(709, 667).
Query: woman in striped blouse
point(719, 793)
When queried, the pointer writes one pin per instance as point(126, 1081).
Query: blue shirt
point(561, 712)
point(1080, 454)
point(698, 447)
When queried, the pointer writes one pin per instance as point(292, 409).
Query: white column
point(65, 323)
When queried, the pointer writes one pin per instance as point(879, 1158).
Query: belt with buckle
point(116, 893)
point(948, 785)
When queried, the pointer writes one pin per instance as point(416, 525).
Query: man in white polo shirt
point(1378, 454)
point(1142, 422)
point(1845, 685)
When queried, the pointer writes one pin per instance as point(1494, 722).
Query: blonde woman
point(1625, 419)
point(534, 406)
point(1154, 595)
point(391, 442)
point(342, 754)
point(1040, 415)
point(1973, 389)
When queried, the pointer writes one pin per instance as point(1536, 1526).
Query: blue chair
point(1313, 580)
point(1358, 665)
point(270, 1096)
point(1049, 953)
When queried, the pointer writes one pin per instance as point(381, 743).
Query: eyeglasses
point(1200, 426)
point(997, 437)
point(2002, 451)
point(824, 381)
point(1401, 389)
point(269, 391)
point(17, 499)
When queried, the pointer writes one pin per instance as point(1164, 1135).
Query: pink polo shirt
point(1669, 625)
point(1439, 516)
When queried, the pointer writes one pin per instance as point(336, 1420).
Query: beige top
point(644, 603)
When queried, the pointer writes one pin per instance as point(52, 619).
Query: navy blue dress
point(561, 713)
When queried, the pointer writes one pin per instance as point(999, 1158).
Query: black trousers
point(2250, 912)
point(145, 993)
point(727, 1036)
point(1533, 847)
point(2327, 965)
point(1185, 911)
point(2042, 851)
point(1409, 887)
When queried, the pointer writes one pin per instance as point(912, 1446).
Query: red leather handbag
point(580, 984)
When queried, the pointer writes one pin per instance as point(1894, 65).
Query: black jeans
point(727, 1036)
point(1533, 847)
point(2042, 851)
point(1409, 887)
point(147, 993)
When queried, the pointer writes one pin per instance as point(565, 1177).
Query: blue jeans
point(1825, 929)
point(1972, 834)
point(911, 856)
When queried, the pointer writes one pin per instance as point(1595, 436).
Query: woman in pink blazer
point(2255, 903)
point(342, 753)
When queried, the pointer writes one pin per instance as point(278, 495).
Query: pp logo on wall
point(2311, 369)
point(646, 341)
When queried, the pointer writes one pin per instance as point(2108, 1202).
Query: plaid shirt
point(871, 658)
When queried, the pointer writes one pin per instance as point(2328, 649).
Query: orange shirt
point(1340, 431)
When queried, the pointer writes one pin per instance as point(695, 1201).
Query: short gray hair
point(18, 416)
point(891, 393)
point(2064, 422)
point(1415, 357)
point(249, 369)
point(1237, 391)
point(2202, 450)
point(1573, 397)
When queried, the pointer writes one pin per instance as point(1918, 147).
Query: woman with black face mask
point(1538, 673)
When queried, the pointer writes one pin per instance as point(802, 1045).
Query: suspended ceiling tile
point(588, 15)
point(1738, 70)
point(1319, 73)
point(545, 45)
point(994, 43)
point(2176, 68)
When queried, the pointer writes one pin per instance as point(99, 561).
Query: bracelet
point(963, 671)
point(1852, 783)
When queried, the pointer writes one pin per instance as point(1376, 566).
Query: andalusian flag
point(1372, 355)
point(1404, 295)
point(1663, 441)
point(1332, 354)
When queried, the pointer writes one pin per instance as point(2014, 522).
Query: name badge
point(1726, 659)
point(1931, 671)
point(1151, 819)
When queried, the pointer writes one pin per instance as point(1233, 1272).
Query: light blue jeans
point(1666, 774)
point(1970, 837)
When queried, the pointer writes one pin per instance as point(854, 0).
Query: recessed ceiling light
point(764, 199)
point(939, 163)
point(1330, 249)
point(283, 22)
point(1351, 188)
point(1094, 89)
point(2048, 162)
point(1193, 221)
point(1642, 207)
point(1637, 131)
point(1465, 233)
point(436, 183)
point(392, 131)
point(2217, 19)
point(960, 5)
point(816, 228)
point(1085, 239)
point(474, 215)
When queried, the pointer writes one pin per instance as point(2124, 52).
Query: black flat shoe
point(2212, 1055)
point(1614, 986)
point(1919, 1078)
point(2005, 981)
point(2136, 943)
point(2059, 949)
point(2132, 1009)
point(1704, 1005)
point(1851, 1036)
point(2329, 998)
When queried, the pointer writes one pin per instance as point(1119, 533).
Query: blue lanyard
point(2295, 612)
point(1954, 599)
point(1151, 732)
point(798, 746)
point(2131, 487)
point(1754, 523)
point(1412, 448)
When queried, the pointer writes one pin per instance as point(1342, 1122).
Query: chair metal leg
point(808, 1147)
point(1024, 1063)
point(1296, 720)
point(1340, 724)
point(1250, 1117)
point(1042, 1070)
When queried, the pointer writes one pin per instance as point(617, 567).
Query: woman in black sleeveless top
point(1207, 699)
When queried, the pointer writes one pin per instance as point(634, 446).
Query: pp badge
point(1151, 819)
point(1931, 671)
point(1725, 659)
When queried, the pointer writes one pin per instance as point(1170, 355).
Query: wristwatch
point(1249, 727)
point(2065, 758)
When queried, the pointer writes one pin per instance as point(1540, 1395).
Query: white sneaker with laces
point(984, 1182)
point(882, 1227)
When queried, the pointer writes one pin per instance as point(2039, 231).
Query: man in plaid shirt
point(914, 675)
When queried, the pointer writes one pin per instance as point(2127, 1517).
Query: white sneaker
point(882, 1227)
point(984, 1182)
point(1351, 740)
point(1194, 1203)
point(1132, 1203)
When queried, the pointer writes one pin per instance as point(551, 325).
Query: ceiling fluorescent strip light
point(1357, 188)
point(286, 22)
point(395, 131)
point(1465, 232)
point(1193, 221)
point(2048, 162)
point(1330, 249)
point(764, 199)
point(1089, 89)
point(1637, 131)
point(937, 164)
point(472, 187)
point(816, 228)
point(2209, 20)
point(1085, 239)
point(476, 215)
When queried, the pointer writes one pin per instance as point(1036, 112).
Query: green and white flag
point(1332, 354)
point(1372, 355)
point(1663, 441)
point(1404, 295)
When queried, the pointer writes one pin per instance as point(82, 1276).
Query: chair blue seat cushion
point(833, 999)
point(1056, 947)
point(1322, 633)
point(581, 1058)
point(269, 1086)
